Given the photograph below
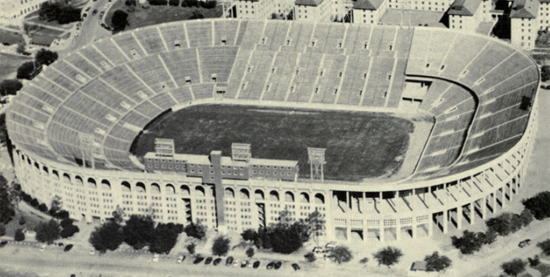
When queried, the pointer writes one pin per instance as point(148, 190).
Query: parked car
point(295, 266)
point(229, 260)
point(92, 251)
point(181, 258)
point(330, 246)
point(270, 265)
point(94, 12)
point(318, 250)
point(60, 244)
point(217, 261)
point(101, 14)
point(156, 257)
point(87, 9)
point(68, 248)
point(3, 243)
point(524, 243)
point(277, 265)
point(198, 260)
point(208, 261)
point(256, 264)
point(42, 248)
point(235, 263)
point(244, 264)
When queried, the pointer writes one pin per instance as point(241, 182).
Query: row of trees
point(538, 205)
point(287, 235)
point(184, 3)
point(59, 11)
point(9, 197)
point(43, 57)
point(138, 232)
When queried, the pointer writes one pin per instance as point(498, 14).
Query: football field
point(358, 144)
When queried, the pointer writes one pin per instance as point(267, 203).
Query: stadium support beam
point(316, 161)
point(87, 149)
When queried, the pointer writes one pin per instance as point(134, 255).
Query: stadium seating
point(116, 86)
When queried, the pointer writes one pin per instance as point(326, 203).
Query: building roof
point(367, 4)
point(524, 9)
point(313, 3)
point(464, 7)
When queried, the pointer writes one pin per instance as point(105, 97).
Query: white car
point(42, 248)
point(156, 258)
point(92, 251)
point(180, 259)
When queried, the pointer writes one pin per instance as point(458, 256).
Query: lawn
point(10, 38)
point(9, 65)
point(140, 17)
point(359, 144)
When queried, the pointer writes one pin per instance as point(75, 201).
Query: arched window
point(274, 196)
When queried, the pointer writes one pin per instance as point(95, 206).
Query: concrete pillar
point(348, 202)
point(510, 191)
point(398, 229)
point(473, 213)
point(382, 230)
point(484, 207)
point(430, 225)
point(459, 217)
point(494, 206)
point(503, 196)
point(348, 233)
point(445, 221)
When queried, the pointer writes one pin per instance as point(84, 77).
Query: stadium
point(389, 132)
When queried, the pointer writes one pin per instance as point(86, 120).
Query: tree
point(139, 231)
point(487, 237)
point(108, 236)
point(545, 247)
point(249, 235)
point(500, 224)
point(56, 204)
point(10, 87)
point(526, 217)
point(2, 229)
point(310, 257)
point(69, 231)
point(196, 230)
point(285, 240)
point(437, 263)
point(47, 232)
point(26, 70)
point(65, 222)
point(22, 220)
point(468, 243)
point(545, 73)
point(534, 261)
point(35, 203)
point(43, 208)
point(220, 247)
point(118, 215)
point(45, 57)
point(19, 235)
point(340, 254)
point(62, 214)
point(7, 200)
point(165, 237)
point(119, 21)
point(196, 15)
point(191, 248)
point(513, 267)
point(388, 256)
point(250, 252)
point(539, 205)
point(59, 11)
point(315, 223)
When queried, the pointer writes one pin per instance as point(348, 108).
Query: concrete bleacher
point(116, 86)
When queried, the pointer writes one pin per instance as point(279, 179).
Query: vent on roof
point(438, 102)
point(188, 80)
point(442, 67)
point(273, 70)
point(214, 78)
point(489, 90)
point(428, 65)
point(463, 73)
point(313, 43)
point(365, 45)
point(105, 65)
point(125, 105)
point(267, 87)
point(451, 110)
point(134, 53)
point(264, 40)
point(142, 95)
point(479, 81)
point(360, 92)
point(390, 47)
point(163, 85)
point(364, 75)
point(288, 40)
point(249, 69)
point(340, 44)
point(322, 72)
point(244, 85)
point(81, 78)
point(335, 91)
point(340, 74)
point(177, 43)
point(47, 108)
point(297, 71)
point(293, 88)
point(224, 40)
point(110, 117)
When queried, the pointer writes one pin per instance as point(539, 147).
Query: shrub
point(10, 87)
point(19, 235)
point(468, 243)
point(513, 267)
point(545, 247)
point(487, 237)
point(58, 11)
point(27, 70)
point(340, 254)
point(545, 73)
point(66, 222)
point(364, 261)
point(62, 214)
point(250, 252)
point(43, 208)
point(196, 230)
point(46, 57)
point(119, 21)
point(22, 220)
point(310, 257)
point(47, 231)
point(534, 262)
point(221, 246)
point(437, 263)
point(34, 202)
point(526, 217)
point(208, 4)
point(158, 2)
point(27, 198)
point(538, 205)
point(249, 235)
point(69, 231)
point(500, 224)
point(388, 256)
point(2, 229)
point(174, 3)
point(191, 248)
point(107, 237)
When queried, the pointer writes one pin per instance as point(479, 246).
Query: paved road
point(91, 29)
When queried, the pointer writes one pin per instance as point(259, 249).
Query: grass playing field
point(358, 144)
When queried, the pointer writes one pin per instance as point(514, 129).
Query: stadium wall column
point(216, 160)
